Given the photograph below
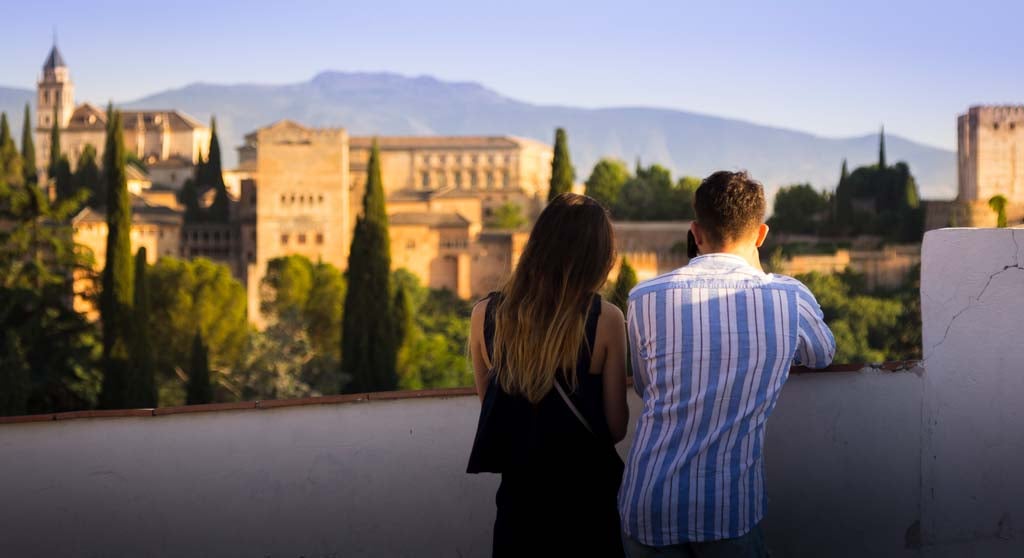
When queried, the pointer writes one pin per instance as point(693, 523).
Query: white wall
point(851, 471)
point(386, 478)
point(972, 293)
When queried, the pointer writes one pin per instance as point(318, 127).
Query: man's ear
point(698, 234)
point(762, 233)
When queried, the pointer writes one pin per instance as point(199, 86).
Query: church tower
point(56, 92)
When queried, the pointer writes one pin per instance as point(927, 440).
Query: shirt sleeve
point(635, 341)
point(815, 345)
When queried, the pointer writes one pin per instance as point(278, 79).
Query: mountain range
point(685, 142)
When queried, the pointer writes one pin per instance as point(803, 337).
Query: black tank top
point(515, 435)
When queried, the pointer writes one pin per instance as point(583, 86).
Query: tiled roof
point(410, 194)
point(150, 120)
point(428, 218)
point(434, 142)
point(142, 213)
point(135, 173)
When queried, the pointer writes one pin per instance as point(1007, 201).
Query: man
point(712, 344)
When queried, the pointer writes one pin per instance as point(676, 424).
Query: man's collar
point(721, 260)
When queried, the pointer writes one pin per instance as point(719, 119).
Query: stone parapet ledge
point(895, 366)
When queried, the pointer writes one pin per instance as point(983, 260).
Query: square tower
point(990, 153)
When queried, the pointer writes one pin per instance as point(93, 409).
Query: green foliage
point(142, 380)
point(868, 327)
point(199, 390)
point(10, 161)
point(209, 175)
point(28, 150)
point(998, 204)
point(507, 216)
point(189, 197)
point(186, 296)
point(116, 294)
point(799, 209)
point(619, 294)
point(87, 177)
point(650, 195)
point(562, 171)
point(298, 353)
point(433, 351)
point(55, 149)
point(881, 149)
point(882, 201)
point(606, 181)
point(46, 364)
point(14, 375)
point(369, 335)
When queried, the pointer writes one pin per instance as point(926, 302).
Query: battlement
point(990, 113)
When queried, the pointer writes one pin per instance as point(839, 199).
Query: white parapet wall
point(972, 296)
point(386, 478)
point(921, 462)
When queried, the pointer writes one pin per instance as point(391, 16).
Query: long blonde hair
point(540, 320)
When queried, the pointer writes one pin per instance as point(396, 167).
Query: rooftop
point(54, 60)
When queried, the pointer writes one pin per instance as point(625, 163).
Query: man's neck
point(748, 253)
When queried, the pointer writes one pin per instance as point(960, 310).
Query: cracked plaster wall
point(972, 297)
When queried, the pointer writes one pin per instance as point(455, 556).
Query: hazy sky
point(831, 68)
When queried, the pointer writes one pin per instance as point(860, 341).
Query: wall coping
point(894, 366)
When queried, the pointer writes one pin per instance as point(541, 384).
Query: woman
point(549, 357)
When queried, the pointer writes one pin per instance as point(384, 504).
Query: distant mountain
point(12, 102)
point(687, 143)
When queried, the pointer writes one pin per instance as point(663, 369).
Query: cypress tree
point(55, 151)
point(369, 347)
point(116, 295)
point(214, 178)
point(28, 150)
point(881, 149)
point(87, 177)
point(841, 201)
point(623, 284)
point(10, 162)
point(143, 384)
point(199, 390)
point(15, 377)
point(562, 173)
point(403, 314)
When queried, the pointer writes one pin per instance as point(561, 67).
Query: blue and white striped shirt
point(712, 344)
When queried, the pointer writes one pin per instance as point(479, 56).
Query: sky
point(830, 68)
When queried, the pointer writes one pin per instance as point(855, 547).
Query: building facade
point(990, 153)
point(150, 135)
point(301, 190)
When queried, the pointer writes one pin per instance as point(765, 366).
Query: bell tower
point(56, 92)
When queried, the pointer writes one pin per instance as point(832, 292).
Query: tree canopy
point(562, 171)
point(369, 340)
point(606, 181)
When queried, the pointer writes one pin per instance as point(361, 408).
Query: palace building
point(170, 137)
point(299, 190)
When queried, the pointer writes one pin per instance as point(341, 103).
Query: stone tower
point(991, 153)
point(56, 92)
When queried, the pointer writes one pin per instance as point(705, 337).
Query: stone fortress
point(990, 162)
point(298, 190)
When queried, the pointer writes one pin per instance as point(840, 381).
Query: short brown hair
point(729, 205)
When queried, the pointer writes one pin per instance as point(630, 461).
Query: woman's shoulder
point(610, 312)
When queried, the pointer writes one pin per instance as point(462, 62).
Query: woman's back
point(549, 365)
point(559, 475)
